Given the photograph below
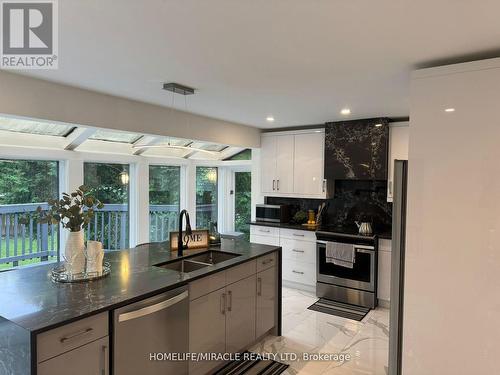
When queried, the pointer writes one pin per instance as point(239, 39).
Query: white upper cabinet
point(308, 164)
point(292, 164)
point(284, 163)
point(268, 165)
point(399, 134)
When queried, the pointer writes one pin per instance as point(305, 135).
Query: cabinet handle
point(223, 303)
point(298, 251)
point(105, 364)
point(230, 304)
point(298, 235)
point(74, 336)
point(264, 230)
point(324, 185)
point(278, 185)
point(267, 261)
point(274, 182)
point(299, 272)
point(259, 286)
point(390, 188)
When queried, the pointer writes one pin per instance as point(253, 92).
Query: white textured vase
point(74, 253)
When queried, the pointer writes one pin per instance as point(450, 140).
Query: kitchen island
point(31, 304)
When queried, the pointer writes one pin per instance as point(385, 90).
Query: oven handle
point(366, 247)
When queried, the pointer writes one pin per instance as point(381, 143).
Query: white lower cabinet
point(384, 272)
point(265, 240)
point(298, 250)
point(299, 272)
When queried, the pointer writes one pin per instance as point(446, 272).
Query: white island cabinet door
point(207, 329)
point(268, 163)
point(309, 164)
point(284, 163)
point(240, 314)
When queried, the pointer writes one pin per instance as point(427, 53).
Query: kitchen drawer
point(266, 261)
point(265, 240)
point(299, 272)
point(264, 231)
point(68, 337)
point(298, 250)
point(295, 234)
point(207, 285)
point(240, 272)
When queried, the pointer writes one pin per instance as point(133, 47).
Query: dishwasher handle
point(153, 308)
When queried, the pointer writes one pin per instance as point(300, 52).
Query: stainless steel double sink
point(196, 262)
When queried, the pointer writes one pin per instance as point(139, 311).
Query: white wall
point(452, 290)
point(35, 98)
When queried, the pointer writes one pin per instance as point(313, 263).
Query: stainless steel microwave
point(272, 213)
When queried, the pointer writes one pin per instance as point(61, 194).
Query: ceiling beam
point(79, 136)
point(144, 141)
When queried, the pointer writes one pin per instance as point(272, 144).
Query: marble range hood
point(356, 150)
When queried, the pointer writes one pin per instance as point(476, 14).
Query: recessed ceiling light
point(270, 119)
point(449, 110)
point(378, 125)
point(345, 111)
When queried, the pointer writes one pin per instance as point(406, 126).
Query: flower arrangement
point(73, 211)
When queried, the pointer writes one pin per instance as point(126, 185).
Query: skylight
point(35, 127)
point(114, 136)
point(208, 146)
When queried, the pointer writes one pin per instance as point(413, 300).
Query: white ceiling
point(298, 60)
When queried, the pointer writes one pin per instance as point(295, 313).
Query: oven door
point(361, 276)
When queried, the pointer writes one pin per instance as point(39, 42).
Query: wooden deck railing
point(35, 242)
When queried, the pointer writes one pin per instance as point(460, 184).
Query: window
point(242, 202)
point(114, 136)
point(206, 197)
point(242, 155)
point(25, 185)
point(164, 201)
point(35, 127)
point(110, 184)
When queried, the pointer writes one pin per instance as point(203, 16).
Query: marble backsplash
point(362, 200)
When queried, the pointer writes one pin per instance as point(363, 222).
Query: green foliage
point(300, 217)
point(243, 155)
point(164, 184)
point(28, 181)
point(206, 194)
point(73, 210)
point(106, 182)
point(242, 200)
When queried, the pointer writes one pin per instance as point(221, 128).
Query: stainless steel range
point(354, 283)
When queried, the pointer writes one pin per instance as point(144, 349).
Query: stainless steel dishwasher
point(146, 331)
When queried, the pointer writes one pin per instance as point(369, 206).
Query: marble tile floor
point(367, 342)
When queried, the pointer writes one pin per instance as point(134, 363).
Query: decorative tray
point(60, 275)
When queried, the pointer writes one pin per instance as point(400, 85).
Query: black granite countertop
point(381, 235)
point(31, 300)
point(284, 225)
